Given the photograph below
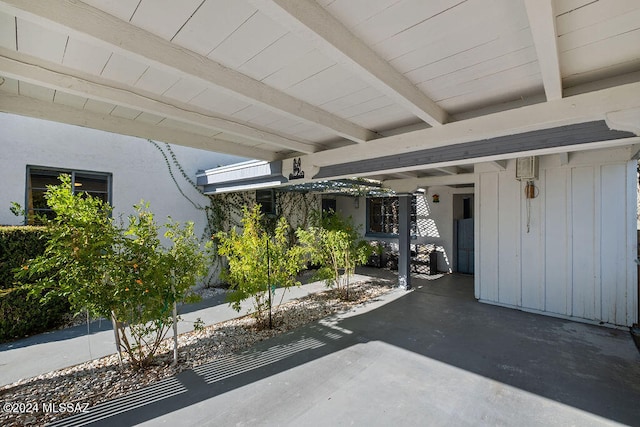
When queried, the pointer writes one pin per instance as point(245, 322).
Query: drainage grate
point(217, 370)
point(229, 366)
point(163, 389)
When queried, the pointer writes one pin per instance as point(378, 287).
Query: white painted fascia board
point(581, 108)
point(542, 22)
point(53, 76)
point(312, 22)
point(24, 106)
point(231, 168)
point(93, 25)
point(240, 172)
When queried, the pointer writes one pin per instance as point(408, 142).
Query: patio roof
point(256, 174)
point(328, 83)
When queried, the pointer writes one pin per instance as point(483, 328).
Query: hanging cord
point(528, 215)
point(530, 192)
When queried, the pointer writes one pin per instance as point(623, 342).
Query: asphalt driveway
point(432, 356)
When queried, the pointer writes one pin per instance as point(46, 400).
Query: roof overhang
point(243, 176)
point(572, 137)
point(397, 90)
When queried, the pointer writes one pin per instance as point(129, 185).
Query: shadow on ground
point(580, 366)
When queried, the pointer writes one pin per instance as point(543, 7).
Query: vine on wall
point(224, 211)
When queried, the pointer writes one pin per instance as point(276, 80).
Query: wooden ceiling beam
point(450, 170)
point(31, 107)
point(542, 20)
point(412, 184)
point(623, 100)
point(86, 22)
point(311, 21)
point(33, 70)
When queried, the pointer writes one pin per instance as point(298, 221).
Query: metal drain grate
point(232, 365)
point(217, 370)
point(163, 389)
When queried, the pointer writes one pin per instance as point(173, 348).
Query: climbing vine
point(225, 210)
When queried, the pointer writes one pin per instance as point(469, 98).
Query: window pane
point(94, 184)
point(101, 196)
point(266, 199)
point(40, 179)
point(38, 200)
point(375, 215)
point(384, 215)
point(91, 184)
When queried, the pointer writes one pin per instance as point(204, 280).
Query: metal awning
point(243, 176)
point(254, 175)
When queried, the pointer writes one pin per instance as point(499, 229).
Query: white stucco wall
point(577, 258)
point(435, 221)
point(139, 170)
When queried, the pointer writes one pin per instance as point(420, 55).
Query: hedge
point(19, 315)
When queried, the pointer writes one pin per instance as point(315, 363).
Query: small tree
point(335, 244)
point(113, 271)
point(155, 278)
point(259, 262)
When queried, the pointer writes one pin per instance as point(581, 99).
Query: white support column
point(404, 247)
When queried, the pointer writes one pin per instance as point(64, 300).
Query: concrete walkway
point(59, 349)
point(433, 356)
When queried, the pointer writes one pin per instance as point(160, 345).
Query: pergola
point(409, 92)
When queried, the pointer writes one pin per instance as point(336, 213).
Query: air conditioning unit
point(527, 168)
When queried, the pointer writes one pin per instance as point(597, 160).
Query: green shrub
point(259, 262)
point(19, 314)
point(335, 244)
point(116, 270)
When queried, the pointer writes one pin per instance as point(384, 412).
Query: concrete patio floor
point(432, 356)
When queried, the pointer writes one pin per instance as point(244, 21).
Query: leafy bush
point(258, 262)
point(115, 271)
point(20, 315)
point(335, 244)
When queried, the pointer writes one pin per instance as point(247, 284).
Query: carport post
point(404, 256)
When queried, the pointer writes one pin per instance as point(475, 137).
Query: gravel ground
point(102, 379)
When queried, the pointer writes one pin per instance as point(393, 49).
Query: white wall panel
point(508, 247)
point(532, 249)
point(583, 228)
point(557, 238)
point(614, 252)
point(487, 268)
point(577, 259)
point(631, 291)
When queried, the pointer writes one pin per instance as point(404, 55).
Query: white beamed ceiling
point(257, 76)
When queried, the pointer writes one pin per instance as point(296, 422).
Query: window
point(383, 216)
point(267, 201)
point(93, 183)
point(329, 205)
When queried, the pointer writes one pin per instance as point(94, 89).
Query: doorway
point(463, 233)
